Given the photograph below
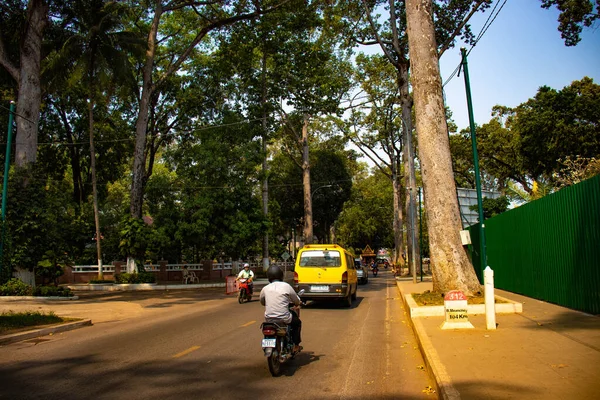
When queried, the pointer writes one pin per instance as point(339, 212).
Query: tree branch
point(5, 62)
point(459, 28)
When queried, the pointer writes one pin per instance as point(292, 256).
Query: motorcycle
point(277, 343)
point(244, 291)
point(375, 270)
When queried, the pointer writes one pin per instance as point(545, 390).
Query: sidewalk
point(545, 352)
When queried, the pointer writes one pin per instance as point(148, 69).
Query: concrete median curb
point(140, 286)
point(34, 333)
point(507, 307)
point(51, 298)
point(436, 369)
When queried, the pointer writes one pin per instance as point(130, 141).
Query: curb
point(20, 336)
point(52, 298)
point(436, 369)
point(140, 286)
point(416, 311)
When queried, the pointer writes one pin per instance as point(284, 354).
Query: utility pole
point(11, 114)
point(483, 256)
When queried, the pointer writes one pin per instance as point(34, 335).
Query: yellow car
point(326, 271)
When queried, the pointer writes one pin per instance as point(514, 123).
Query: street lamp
point(320, 187)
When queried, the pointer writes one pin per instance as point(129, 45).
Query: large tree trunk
point(141, 126)
point(94, 183)
point(265, 166)
point(30, 92)
point(451, 267)
point(308, 216)
point(409, 173)
point(398, 236)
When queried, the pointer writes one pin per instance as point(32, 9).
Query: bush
point(15, 287)
point(53, 291)
point(142, 277)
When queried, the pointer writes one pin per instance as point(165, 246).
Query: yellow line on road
point(188, 351)
point(248, 323)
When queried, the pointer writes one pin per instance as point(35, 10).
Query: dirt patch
point(429, 298)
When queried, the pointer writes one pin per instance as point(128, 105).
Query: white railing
point(92, 268)
point(235, 266)
point(147, 267)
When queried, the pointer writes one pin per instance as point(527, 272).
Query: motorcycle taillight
point(269, 331)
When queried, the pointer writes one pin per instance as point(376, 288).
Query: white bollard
point(490, 304)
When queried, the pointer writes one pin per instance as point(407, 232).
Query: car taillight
point(295, 278)
point(345, 277)
point(269, 331)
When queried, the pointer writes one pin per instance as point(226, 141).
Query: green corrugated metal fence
point(548, 249)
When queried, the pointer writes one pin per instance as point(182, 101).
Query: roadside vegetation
point(11, 322)
point(16, 287)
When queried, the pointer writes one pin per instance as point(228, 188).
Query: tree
point(209, 16)
point(492, 207)
point(523, 149)
point(311, 92)
point(574, 15)
point(556, 124)
point(451, 21)
point(330, 184)
point(99, 50)
point(366, 215)
point(377, 125)
point(29, 33)
point(451, 267)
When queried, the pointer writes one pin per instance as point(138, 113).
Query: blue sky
point(521, 51)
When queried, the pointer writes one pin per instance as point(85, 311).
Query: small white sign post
point(455, 309)
point(490, 302)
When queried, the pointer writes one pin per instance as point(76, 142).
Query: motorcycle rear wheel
point(273, 361)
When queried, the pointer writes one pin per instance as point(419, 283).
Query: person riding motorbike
point(247, 273)
point(276, 297)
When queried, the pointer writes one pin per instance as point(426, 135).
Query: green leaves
point(574, 15)
point(134, 237)
point(530, 145)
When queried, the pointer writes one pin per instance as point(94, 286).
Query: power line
point(490, 20)
point(198, 129)
point(18, 115)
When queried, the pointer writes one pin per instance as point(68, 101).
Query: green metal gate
point(548, 249)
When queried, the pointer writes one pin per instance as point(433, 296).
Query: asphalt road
point(204, 345)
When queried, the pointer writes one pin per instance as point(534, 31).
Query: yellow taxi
point(326, 271)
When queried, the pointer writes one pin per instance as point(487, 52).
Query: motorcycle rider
point(276, 297)
point(247, 273)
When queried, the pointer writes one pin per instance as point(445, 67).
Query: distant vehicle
point(326, 271)
point(382, 262)
point(362, 273)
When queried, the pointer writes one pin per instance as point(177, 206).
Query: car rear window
point(320, 258)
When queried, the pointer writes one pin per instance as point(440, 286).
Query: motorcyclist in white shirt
point(276, 297)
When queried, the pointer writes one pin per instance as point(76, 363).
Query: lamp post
point(482, 249)
point(5, 184)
